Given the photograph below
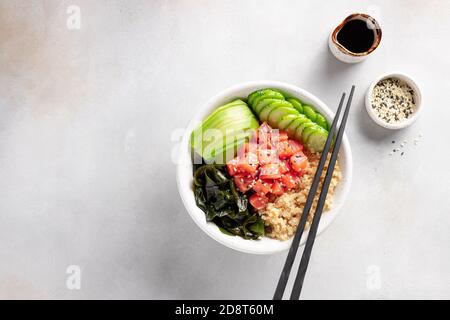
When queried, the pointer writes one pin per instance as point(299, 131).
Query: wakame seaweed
point(216, 194)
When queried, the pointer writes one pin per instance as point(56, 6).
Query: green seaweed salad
point(216, 194)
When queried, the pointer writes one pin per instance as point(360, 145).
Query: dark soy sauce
point(356, 37)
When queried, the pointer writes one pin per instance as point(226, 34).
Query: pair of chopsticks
point(298, 283)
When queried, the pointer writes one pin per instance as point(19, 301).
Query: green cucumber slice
point(299, 120)
point(316, 141)
point(321, 121)
point(296, 103)
point(303, 118)
point(309, 130)
point(309, 112)
point(264, 113)
point(261, 104)
point(286, 121)
point(275, 116)
point(301, 128)
point(269, 95)
point(254, 97)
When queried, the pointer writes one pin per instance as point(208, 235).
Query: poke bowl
point(267, 224)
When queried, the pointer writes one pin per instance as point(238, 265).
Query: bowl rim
point(184, 167)
point(418, 95)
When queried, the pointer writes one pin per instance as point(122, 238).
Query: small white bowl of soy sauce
point(355, 38)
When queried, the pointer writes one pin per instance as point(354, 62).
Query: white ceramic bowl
point(185, 180)
point(418, 99)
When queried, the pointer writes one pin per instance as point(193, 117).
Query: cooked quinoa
point(282, 217)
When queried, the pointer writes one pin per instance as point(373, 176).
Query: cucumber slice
point(309, 130)
point(309, 112)
point(301, 128)
point(292, 127)
point(269, 95)
point(298, 121)
point(254, 97)
point(286, 121)
point(321, 121)
point(316, 141)
point(275, 116)
point(264, 113)
point(296, 103)
point(261, 104)
point(303, 118)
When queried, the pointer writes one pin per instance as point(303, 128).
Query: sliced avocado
point(222, 143)
point(230, 121)
point(222, 156)
point(235, 104)
point(228, 116)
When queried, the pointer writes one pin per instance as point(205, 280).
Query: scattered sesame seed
point(402, 153)
point(393, 141)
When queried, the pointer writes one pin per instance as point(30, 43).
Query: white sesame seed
point(393, 100)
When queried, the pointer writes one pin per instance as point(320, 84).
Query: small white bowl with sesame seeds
point(393, 101)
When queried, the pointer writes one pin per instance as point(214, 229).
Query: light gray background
point(88, 125)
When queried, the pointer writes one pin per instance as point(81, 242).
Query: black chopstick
point(298, 284)
point(312, 192)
